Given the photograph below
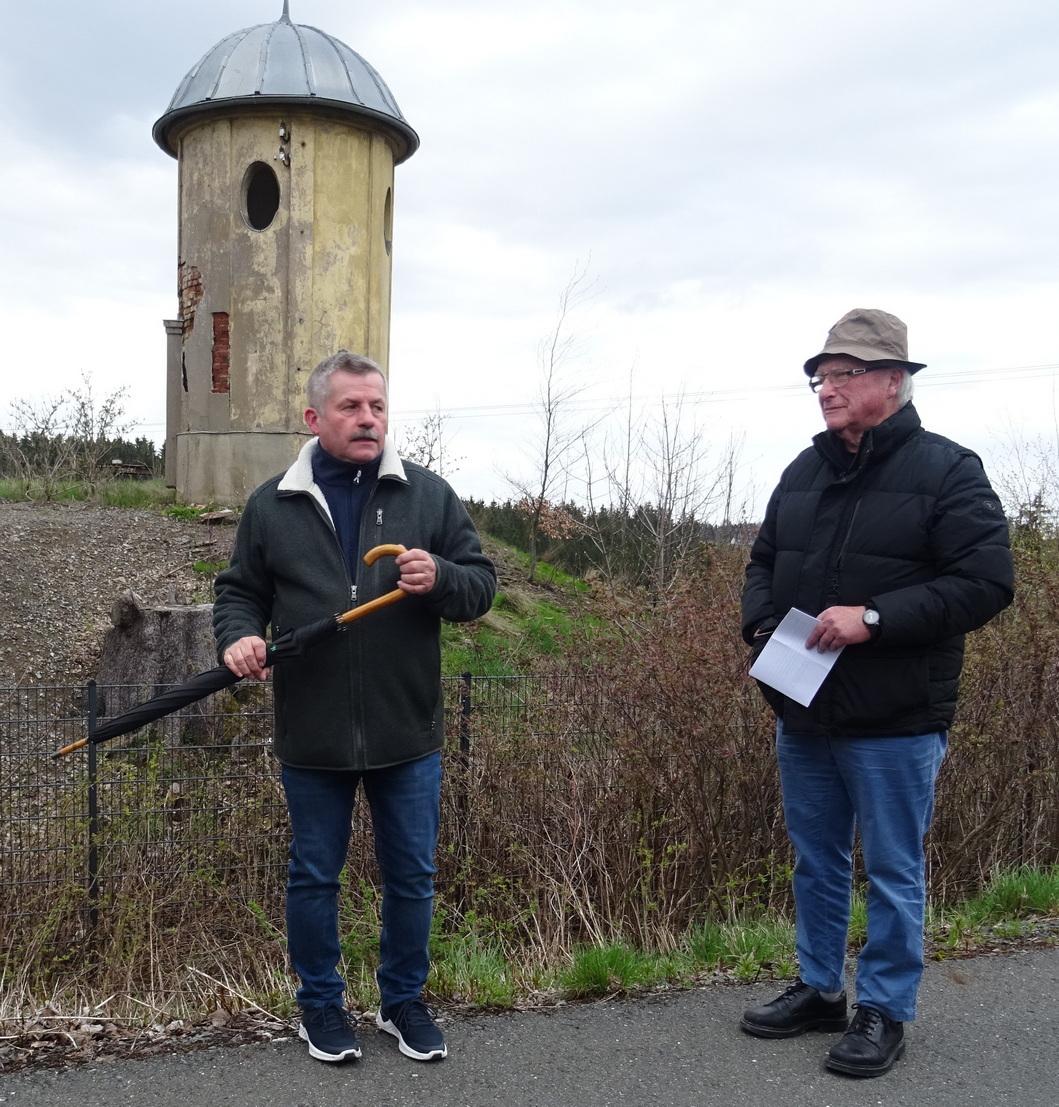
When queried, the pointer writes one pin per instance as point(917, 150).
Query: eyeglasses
point(840, 377)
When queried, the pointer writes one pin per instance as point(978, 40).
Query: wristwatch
point(872, 620)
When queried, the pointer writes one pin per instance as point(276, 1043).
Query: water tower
point(286, 142)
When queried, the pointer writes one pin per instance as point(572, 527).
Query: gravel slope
point(62, 566)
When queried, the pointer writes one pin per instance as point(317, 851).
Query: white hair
point(318, 387)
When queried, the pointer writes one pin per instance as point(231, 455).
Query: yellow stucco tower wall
point(285, 238)
point(315, 280)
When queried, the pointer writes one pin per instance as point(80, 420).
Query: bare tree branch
point(427, 445)
point(557, 439)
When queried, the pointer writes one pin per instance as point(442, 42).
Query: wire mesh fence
point(185, 806)
point(569, 811)
point(548, 814)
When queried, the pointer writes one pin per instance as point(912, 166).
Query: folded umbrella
point(295, 643)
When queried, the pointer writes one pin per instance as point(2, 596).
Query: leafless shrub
point(997, 793)
point(635, 792)
point(57, 440)
point(623, 794)
point(427, 443)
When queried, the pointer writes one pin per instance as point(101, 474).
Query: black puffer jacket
point(910, 526)
point(370, 696)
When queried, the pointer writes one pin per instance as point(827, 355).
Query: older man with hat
point(892, 537)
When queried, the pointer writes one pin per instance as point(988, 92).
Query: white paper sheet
point(786, 665)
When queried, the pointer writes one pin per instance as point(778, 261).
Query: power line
point(942, 379)
point(934, 380)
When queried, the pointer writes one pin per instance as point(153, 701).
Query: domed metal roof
point(283, 63)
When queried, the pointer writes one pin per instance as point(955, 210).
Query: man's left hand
point(418, 572)
point(838, 627)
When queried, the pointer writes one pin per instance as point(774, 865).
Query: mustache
point(365, 436)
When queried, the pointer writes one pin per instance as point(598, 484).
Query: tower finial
point(286, 11)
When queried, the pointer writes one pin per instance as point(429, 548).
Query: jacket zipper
point(360, 752)
point(832, 592)
point(836, 568)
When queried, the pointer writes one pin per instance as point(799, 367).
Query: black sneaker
point(799, 1009)
point(869, 1047)
point(329, 1032)
point(412, 1024)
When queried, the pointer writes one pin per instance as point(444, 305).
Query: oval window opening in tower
point(260, 196)
point(387, 221)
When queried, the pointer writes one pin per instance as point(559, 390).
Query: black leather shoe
point(869, 1047)
point(799, 1009)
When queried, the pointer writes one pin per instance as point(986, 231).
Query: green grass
point(472, 966)
point(1018, 893)
point(110, 493)
point(520, 629)
point(209, 568)
point(858, 917)
point(468, 967)
point(749, 948)
point(1005, 908)
point(706, 943)
point(598, 971)
point(134, 494)
point(13, 490)
point(527, 622)
point(546, 573)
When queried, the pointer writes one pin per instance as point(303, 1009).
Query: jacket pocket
point(881, 692)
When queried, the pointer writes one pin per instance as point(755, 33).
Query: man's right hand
point(246, 658)
point(837, 627)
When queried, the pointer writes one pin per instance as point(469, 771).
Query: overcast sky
point(734, 177)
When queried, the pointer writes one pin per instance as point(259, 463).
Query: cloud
point(735, 176)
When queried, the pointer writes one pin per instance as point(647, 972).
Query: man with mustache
point(364, 709)
point(892, 537)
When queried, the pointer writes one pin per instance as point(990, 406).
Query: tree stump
point(150, 649)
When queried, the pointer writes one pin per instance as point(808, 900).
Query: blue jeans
point(405, 806)
point(885, 788)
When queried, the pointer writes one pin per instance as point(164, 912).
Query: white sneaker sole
point(319, 1053)
point(404, 1047)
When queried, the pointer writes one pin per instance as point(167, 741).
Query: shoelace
point(334, 1017)
point(413, 1012)
point(867, 1022)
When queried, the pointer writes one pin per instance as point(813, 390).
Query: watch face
point(871, 617)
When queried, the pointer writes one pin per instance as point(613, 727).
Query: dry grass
point(621, 799)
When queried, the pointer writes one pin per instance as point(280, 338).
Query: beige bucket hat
point(868, 335)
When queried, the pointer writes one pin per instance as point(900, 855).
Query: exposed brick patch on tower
point(221, 351)
point(189, 282)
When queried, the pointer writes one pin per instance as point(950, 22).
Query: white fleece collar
point(299, 477)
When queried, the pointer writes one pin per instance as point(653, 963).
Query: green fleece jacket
point(371, 696)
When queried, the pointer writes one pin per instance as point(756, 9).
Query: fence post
point(465, 733)
point(93, 812)
point(463, 790)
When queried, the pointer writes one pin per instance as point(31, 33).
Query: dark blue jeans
point(405, 802)
point(883, 787)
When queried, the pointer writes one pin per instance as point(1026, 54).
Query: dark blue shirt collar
point(328, 469)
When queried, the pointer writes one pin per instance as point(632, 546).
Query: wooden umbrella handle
point(390, 548)
point(71, 747)
point(373, 555)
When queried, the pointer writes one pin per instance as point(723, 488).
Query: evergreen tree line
point(39, 455)
point(76, 436)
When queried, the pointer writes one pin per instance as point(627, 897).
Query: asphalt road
point(987, 1034)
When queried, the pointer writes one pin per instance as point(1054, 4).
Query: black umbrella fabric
point(295, 643)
